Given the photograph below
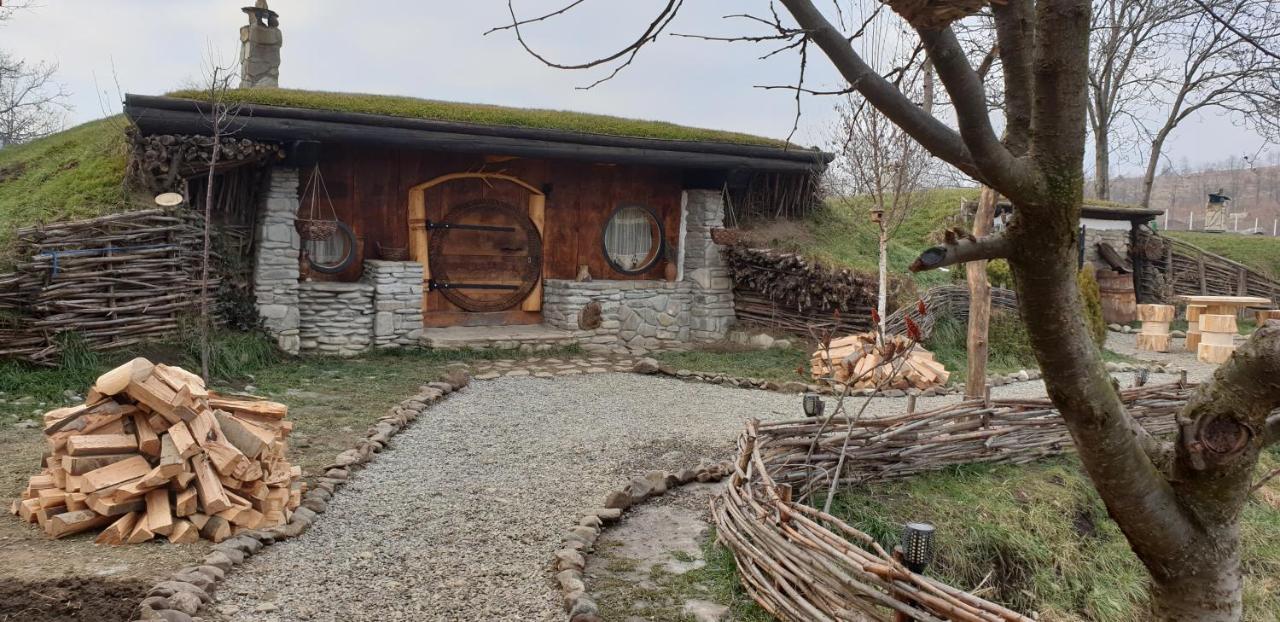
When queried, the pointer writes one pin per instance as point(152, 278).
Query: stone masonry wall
point(397, 302)
point(1117, 238)
point(704, 267)
point(275, 272)
point(635, 315)
point(336, 318)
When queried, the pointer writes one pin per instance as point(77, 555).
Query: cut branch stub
point(959, 251)
point(935, 14)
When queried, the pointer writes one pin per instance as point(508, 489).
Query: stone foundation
point(397, 302)
point(336, 318)
point(635, 315)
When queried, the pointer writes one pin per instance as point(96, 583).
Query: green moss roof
point(482, 114)
point(77, 173)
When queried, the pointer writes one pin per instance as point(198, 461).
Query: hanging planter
point(315, 227)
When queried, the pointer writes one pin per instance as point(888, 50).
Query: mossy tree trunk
point(1178, 502)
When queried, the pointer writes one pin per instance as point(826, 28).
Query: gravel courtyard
point(459, 518)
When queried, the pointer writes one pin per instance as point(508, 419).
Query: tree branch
point(1013, 29)
point(961, 250)
point(939, 139)
point(969, 98)
point(1271, 432)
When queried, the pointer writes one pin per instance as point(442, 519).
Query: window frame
point(341, 266)
point(661, 242)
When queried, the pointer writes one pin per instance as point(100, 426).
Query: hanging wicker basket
point(315, 228)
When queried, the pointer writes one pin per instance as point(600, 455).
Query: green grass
point(776, 364)
point(1008, 347)
point(483, 114)
point(1262, 253)
point(78, 173)
point(1037, 538)
point(842, 235)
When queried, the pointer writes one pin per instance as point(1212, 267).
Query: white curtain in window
point(628, 238)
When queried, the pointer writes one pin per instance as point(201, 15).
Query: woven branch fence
point(947, 301)
point(115, 281)
point(803, 565)
point(1169, 268)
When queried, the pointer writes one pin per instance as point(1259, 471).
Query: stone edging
point(570, 561)
point(180, 597)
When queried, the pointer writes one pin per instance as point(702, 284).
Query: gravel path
point(458, 520)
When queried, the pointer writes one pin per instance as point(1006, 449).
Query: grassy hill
point(1260, 252)
point(78, 173)
point(842, 234)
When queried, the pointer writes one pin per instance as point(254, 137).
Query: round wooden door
point(485, 256)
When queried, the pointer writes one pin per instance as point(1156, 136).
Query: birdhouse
point(877, 215)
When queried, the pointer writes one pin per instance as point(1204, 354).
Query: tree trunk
point(1101, 165)
point(1209, 586)
point(1153, 160)
point(979, 301)
point(882, 297)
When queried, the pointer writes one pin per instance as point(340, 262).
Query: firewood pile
point(152, 453)
point(160, 162)
point(115, 281)
point(859, 361)
point(788, 292)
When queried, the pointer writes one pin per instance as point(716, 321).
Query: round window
point(334, 253)
point(633, 239)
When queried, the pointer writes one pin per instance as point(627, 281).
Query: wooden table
point(1217, 323)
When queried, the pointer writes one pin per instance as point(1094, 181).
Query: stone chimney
point(260, 44)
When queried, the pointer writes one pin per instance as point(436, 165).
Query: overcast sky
point(436, 49)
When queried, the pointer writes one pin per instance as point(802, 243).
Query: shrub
point(1092, 300)
point(999, 274)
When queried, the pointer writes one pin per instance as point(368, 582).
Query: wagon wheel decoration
point(484, 256)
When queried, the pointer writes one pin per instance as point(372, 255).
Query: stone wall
point(275, 272)
point(635, 315)
point(704, 266)
point(397, 302)
point(1117, 238)
point(336, 318)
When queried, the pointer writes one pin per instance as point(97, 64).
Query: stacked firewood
point(861, 362)
point(151, 452)
point(791, 293)
point(160, 162)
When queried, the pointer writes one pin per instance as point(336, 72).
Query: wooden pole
point(979, 300)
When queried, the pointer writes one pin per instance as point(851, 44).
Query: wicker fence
point(806, 566)
point(1169, 268)
point(947, 301)
point(115, 281)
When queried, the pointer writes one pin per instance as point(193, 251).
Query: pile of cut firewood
point(151, 452)
point(863, 363)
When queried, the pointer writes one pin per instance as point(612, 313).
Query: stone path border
point(179, 597)
point(571, 559)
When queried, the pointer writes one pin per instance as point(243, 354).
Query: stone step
point(536, 336)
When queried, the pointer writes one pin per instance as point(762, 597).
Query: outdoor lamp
point(813, 405)
point(917, 546)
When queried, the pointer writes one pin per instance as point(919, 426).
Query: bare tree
point(1220, 68)
point(877, 159)
point(1126, 58)
point(221, 112)
point(32, 102)
point(1177, 502)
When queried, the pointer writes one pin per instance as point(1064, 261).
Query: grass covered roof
point(481, 114)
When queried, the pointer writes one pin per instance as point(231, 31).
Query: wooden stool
point(1263, 315)
point(1193, 327)
point(1217, 340)
point(1155, 327)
